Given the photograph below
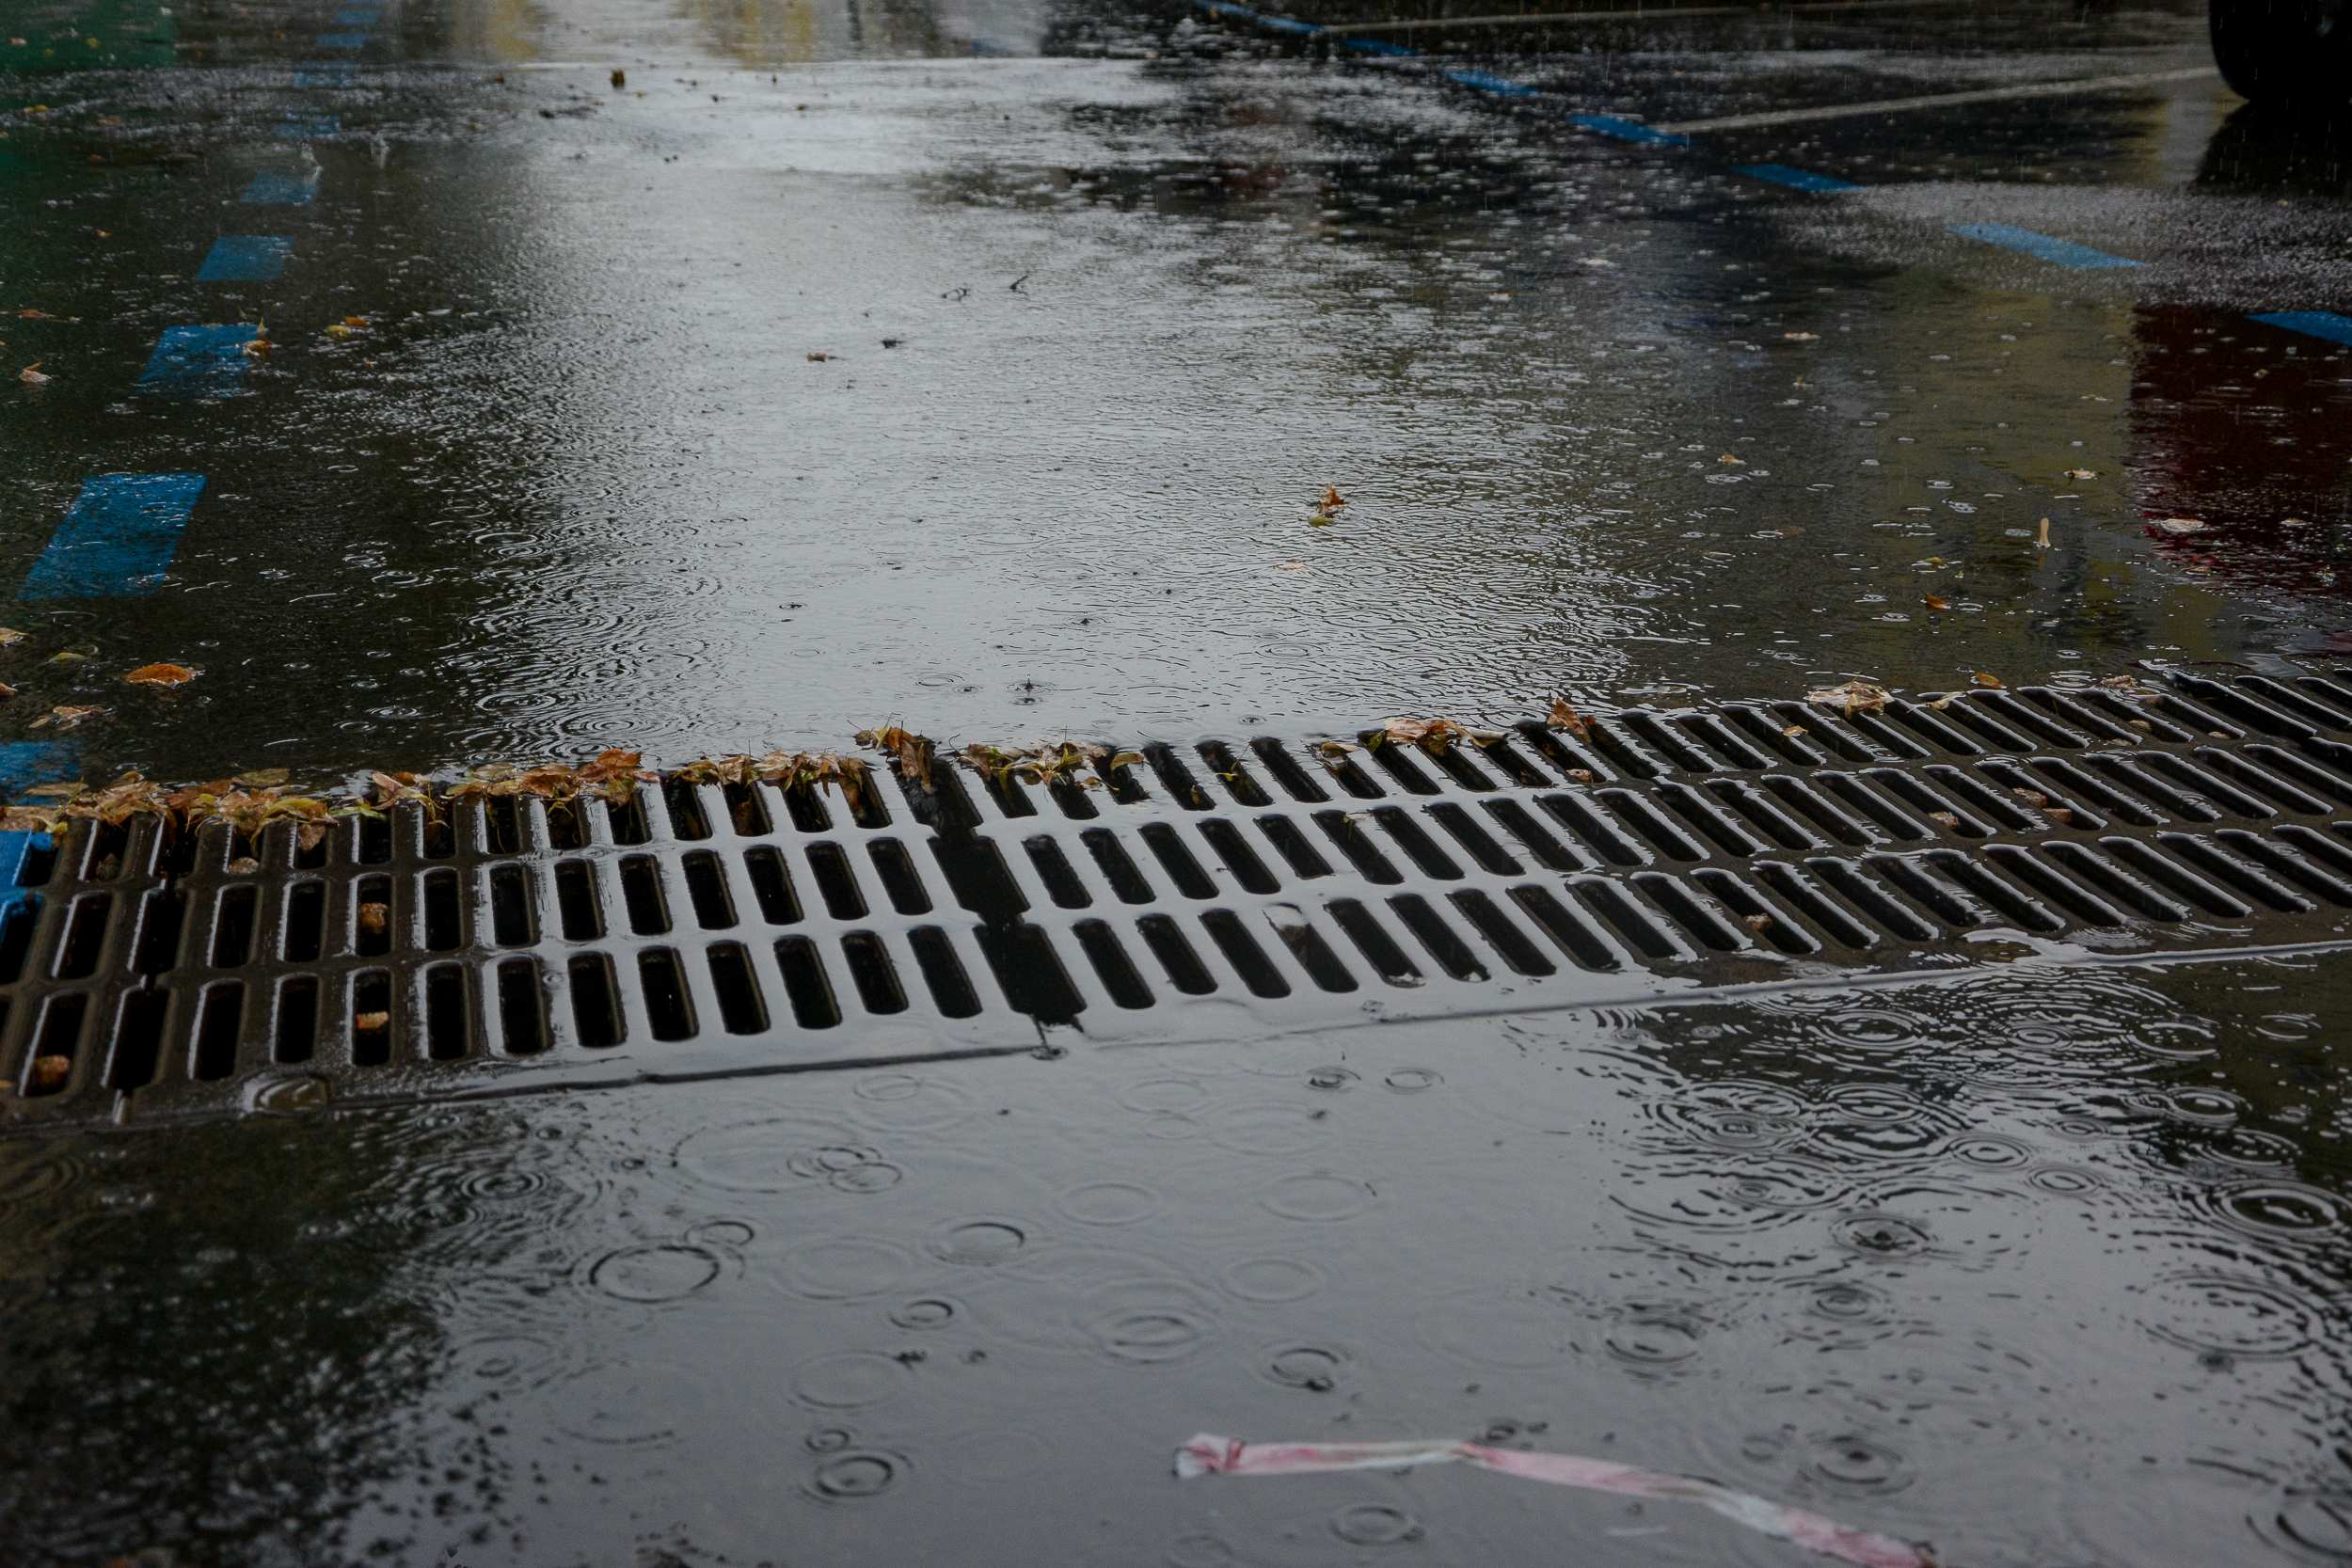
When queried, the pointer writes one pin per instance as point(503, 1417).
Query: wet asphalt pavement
point(980, 367)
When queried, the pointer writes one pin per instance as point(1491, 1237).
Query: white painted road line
point(1941, 99)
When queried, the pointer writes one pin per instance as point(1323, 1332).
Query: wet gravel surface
point(981, 367)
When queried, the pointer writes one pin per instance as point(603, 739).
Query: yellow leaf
point(161, 675)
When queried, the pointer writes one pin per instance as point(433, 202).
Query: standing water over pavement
point(2070, 1293)
point(980, 366)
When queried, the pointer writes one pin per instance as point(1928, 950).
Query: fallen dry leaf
point(372, 1024)
point(1733, 458)
point(2082, 473)
point(1332, 750)
point(1793, 731)
point(1332, 501)
point(2061, 814)
point(2178, 525)
point(244, 866)
point(620, 78)
point(1986, 677)
point(263, 777)
point(1582, 775)
point(66, 717)
point(374, 919)
point(1757, 922)
point(1802, 336)
point(1949, 819)
point(1935, 601)
point(815, 358)
point(161, 675)
point(8, 692)
point(1851, 698)
point(31, 375)
point(10, 636)
point(50, 1072)
point(2033, 798)
point(1563, 717)
point(67, 656)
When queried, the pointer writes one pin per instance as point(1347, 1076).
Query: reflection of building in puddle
point(2240, 457)
point(766, 33)
point(493, 29)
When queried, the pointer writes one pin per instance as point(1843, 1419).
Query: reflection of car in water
point(2241, 425)
point(2279, 51)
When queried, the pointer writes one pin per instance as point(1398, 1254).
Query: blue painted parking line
point(323, 73)
point(17, 847)
point(33, 762)
point(342, 42)
point(197, 360)
point(269, 189)
point(244, 259)
point(1487, 81)
point(1796, 178)
point(2311, 324)
point(1376, 46)
point(117, 539)
point(308, 127)
point(1629, 129)
point(2065, 253)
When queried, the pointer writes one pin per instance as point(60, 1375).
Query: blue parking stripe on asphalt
point(244, 259)
point(1629, 129)
point(308, 127)
point(1796, 178)
point(271, 189)
point(1485, 81)
point(342, 41)
point(117, 539)
point(17, 845)
point(2313, 324)
point(35, 762)
point(2065, 253)
point(1376, 46)
point(198, 360)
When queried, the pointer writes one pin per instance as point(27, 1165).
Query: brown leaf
point(1935, 601)
point(815, 358)
point(244, 866)
point(2082, 473)
point(1332, 501)
point(2062, 816)
point(620, 78)
point(1793, 731)
point(1949, 819)
point(1850, 698)
point(374, 919)
point(10, 636)
point(1733, 458)
point(2033, 798)
point(66, 717)
point(1332, 750)
point(372, 1024)
point(1757, 922)
point(50, 1072)
point(1582, 775)
point(263, 777)
point(31, 375)
point(1985, 677)
point(1563, 717)
point(161, 675)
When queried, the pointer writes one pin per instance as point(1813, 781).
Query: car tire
point(2285, 51)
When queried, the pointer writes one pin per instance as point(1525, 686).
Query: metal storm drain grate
point(1210, 891)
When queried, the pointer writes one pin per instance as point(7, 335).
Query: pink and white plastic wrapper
point(1206, 1455)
